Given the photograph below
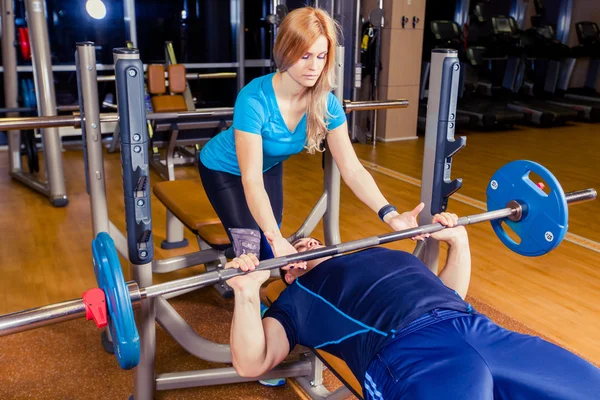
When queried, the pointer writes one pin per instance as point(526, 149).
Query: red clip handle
point(95, 306)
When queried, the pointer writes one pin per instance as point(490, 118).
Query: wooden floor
point(45, 252)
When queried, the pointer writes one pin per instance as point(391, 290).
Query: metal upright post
point(440, 146)
point(129, 75)
point(380, 24)
point(11, 87)
point(237, 14)
point(85, 57)
point(46, 99)
point(130, 24)
point(331, 222)
point(357, 70)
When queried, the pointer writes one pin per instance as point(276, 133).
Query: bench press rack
point(139, 247)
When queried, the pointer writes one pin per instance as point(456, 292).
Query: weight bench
point(187, 205)
point(175, 134)
point(336, 365)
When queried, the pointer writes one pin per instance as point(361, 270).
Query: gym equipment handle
point(74, 120)
point(188, 75)
point(350, 106)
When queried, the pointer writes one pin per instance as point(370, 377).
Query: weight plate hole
point(510, 233)
point(540, 183)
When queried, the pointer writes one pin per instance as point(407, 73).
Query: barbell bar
point(75, 120)
point(539, 218)
point(188, 75)
point(72, 309)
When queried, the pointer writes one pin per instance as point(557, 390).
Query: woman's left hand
point(406, 220)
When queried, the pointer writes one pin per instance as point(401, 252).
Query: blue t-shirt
point(256, 111)
point(351, 306)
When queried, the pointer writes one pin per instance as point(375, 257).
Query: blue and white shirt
point(351, 306)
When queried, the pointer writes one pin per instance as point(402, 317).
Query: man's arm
point(457, 271)
point(256, 346)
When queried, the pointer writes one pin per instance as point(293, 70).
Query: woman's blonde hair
point(297, 33)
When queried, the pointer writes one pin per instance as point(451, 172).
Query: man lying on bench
point(404, 332)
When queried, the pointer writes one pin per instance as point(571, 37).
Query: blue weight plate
point(545, 221)
point(121, 321)
point(31, 88)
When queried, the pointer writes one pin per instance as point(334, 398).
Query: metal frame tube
point(216, 112)
point(312, 220)
point(86, 57)
point(331, 178)
point(350, 106)
point(46, 99)
point(130, 21)
point(11, 87)
point(223, 376)
point(184, 334)
point(237, 21)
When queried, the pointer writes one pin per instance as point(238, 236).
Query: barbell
point(218, 112)
point(538, 218)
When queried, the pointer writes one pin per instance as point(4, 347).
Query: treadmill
point(537, 112)
point(588, 35)
point(552, 53)
point(484, 113)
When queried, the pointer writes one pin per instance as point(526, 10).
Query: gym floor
point(45, 255)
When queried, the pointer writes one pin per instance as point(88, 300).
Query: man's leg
point(527, 367)
point(432, 363)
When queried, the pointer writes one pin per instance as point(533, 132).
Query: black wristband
point(388, 208)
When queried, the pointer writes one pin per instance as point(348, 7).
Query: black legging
point(226, 194)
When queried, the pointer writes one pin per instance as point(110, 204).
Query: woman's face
point(308, 68)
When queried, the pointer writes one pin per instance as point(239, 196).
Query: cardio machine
point(588, 35)
point(508, 39)
point(482, 112)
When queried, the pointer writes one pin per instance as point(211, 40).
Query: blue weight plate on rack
point(545, 216)
point(121, 321)
point(31, 89)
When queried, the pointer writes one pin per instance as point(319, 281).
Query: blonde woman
point(276, 116)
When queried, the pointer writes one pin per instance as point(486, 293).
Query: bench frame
point(308, 370)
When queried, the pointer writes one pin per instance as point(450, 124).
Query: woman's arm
point(358, 179)
point(250, 158)
point(361, 182)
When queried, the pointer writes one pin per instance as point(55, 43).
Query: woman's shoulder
point(256, 88)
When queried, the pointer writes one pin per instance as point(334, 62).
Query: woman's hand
point(406, 220)
point(252, 281)
point(281, 247)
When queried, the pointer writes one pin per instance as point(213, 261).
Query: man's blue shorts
point(452, 355)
